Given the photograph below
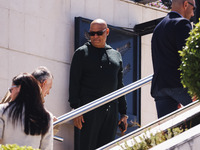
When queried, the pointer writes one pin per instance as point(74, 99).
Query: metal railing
point(101, 101)
point(60, 139)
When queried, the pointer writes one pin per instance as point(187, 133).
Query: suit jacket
point(168, 38)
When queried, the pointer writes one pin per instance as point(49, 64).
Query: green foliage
point(190, 66)
point(147, 142)
point(15, 147)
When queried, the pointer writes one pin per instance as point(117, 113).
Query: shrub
point(190, 66)
point(15, 147)
point(147, 142)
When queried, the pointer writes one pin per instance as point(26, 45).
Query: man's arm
point(122, 105)
point(183, 28)
point(75, 79)
point(74, 86)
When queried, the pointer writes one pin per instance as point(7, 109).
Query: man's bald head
point(98, 33)
point(184, 7)
point(100, 22)
point(178, 1)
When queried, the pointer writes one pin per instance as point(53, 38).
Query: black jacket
point(168, 38)
point(94, 73)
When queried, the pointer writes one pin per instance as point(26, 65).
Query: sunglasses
point(194, 7)
point(10, 89)
point(99, 33)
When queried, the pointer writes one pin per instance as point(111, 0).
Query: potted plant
point(190, 66)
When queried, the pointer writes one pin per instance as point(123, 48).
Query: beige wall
point(148, 108)
point(41, 32)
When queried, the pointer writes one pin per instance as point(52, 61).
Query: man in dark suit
point(168, 38)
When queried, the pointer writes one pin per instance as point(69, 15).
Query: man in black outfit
point(168, 38)
point(96, 70)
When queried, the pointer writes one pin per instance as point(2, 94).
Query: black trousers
point(99, 128)
point(167, 100)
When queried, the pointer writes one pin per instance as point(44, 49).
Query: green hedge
point(147, 142)
point(15, 147)
point(190, 66)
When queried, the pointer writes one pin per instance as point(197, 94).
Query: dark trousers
point(167, 100)
point(99, 128)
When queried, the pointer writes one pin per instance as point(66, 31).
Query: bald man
point(168, 38)
point(96, 70)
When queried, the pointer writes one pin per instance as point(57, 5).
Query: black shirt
point(94, 73)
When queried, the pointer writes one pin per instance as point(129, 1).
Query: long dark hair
point(28, 101)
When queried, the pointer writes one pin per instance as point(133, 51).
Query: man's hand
point(194, 98)
point(54, 118)
point(78, 122)
point(124, 120)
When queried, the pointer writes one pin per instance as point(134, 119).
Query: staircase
point(187, 140)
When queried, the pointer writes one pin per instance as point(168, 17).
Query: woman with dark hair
point(24, 121)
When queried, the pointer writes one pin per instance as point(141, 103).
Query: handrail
point(103, 100)
point(60, 139)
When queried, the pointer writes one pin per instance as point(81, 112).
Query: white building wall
point(41, 32)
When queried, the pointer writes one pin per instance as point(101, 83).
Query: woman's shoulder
point(3, 106)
